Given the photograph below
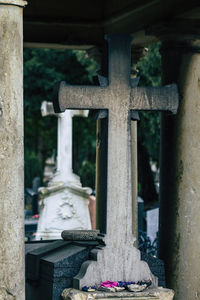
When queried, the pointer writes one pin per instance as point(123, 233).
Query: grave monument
point(64, 202)
point(119, 259)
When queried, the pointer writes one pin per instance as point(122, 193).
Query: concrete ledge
point(20, 3)
point(149, 294)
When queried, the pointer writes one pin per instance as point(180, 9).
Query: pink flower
point(35, 216)
point(109, 284)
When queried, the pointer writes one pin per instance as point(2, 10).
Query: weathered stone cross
point(119, 260)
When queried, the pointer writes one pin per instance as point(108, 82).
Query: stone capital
point(179, 34)
point(20, 3)
point(95, 53)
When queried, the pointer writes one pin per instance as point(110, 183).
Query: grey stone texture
point(148, 294)
point(80, 235)
point(11, 152)
point(180, 165)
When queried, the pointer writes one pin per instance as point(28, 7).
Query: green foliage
point(89, 64)
point(32, 167)
point(149, 133)
point(150, 67)
point(149, 126)
point(87, 173)
point(43, 68)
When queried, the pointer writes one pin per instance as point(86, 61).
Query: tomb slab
point(149, 294)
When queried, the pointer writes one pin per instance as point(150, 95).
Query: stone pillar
point(180, 165)
point(136, 54)
point(134, 177)
point(100, 56)
point(101, 173)
point(11, 152)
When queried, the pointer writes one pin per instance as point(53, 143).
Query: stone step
point(149, 294)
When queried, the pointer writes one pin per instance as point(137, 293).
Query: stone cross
point(119, 259)
point(64, 172)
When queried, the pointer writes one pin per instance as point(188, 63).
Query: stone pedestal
point(11, 151)
point(64, 207)
point(149, 294)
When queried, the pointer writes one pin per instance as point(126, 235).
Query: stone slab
point(148, 294)
point(80, 235)
point(59, 262)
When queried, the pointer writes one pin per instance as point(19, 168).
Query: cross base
point(149, 294)
point(114, 263)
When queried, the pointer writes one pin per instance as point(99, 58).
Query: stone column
point(11, 152)
point(100, 56)
point(101, 173)
point(180, 166)
point(134, 170)
point(136, 54)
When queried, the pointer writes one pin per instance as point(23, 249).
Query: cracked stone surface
point(6, 295)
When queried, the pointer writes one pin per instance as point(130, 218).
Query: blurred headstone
point(64, 202)
point(141, 215)
point(152, 223)
point(36, 184)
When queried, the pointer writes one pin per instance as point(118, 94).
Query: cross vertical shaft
point(119, 204)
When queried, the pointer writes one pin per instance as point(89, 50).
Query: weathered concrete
point(80, 235)
point(11, 152)
point(148, 294)
point(180, 180)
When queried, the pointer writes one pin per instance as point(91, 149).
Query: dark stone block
point(50, 267)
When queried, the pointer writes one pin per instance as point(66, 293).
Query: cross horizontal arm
point(80, 97)
point(149, 98)
point(47, 109)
